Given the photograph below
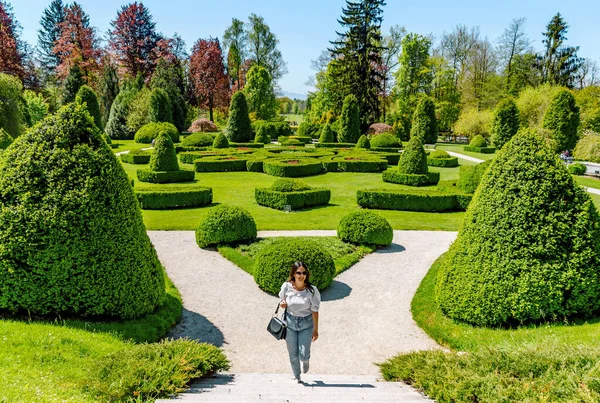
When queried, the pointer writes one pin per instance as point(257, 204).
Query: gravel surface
point(365, 316)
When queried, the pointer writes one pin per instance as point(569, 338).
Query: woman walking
point(302, 301)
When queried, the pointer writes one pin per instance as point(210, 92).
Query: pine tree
point(108, 89)
point(359, 51)
point(559, 63)
point(49, 33)
point(73, 82)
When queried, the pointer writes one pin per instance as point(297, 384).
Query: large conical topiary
point(239, 129)
point(164, 157)
point(562, 120)
point(349, 121)
point(72, 239)
point(117, 127)
point(505, 124)
point(424, 124)
point(326, 134)
point(528, 247)
point(88, 96)
point(413, 160)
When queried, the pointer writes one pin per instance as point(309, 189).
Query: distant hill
point(292, 95)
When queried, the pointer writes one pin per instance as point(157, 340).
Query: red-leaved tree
point(10, 58)
point(77, 44)
point(207, 74)
point(133, 39)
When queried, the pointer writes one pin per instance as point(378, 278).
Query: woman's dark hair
point(295, 267)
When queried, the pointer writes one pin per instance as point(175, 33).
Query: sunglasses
point(301, 273)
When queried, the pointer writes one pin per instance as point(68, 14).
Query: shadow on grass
point(337, 290)
point(393, 248)
point(196, 327)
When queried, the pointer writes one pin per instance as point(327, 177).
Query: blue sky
point(305, 27)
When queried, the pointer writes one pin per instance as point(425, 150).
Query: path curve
point(365, 316)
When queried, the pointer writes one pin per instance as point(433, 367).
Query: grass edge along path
point(85, 361)
point(558, 362)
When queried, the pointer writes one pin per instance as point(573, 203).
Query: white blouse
point(300, 303)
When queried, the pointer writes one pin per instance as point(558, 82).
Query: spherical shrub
point(289, 185)
point(164, 157)
point(71, 231)
point(5, 139)
point(385, 140)
point(198, 140)
point(202, 125)
point(220, 141)
point(577, 169)
point(150, 131)
point(365, 227)
point(379, 128)
point(225, 224)
point(327, 135)
point(272, 266)
point(363, 142)
point(478, 141)
point(413, 159)
point(528, 246)
point(293, 142)
point(439, 154)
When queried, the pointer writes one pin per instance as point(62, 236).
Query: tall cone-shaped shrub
point(505, 124)
point(562, 119)
point(88, 96)
point(239, 129)
point(528, 247)
point(424, 122)
point(349, 121)
point(72, 239)
point(164, 157)
point(413, 160)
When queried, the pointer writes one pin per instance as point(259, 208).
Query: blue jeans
point(298, 339)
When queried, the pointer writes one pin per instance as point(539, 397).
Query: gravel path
point(465, 157)
point(364, 319)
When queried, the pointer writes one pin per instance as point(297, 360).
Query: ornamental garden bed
point(292, 168)
point(136, 157)
point(173, 197)
point(393, 176)
point(220, 163)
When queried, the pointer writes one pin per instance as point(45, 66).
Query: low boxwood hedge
point(393, 176)
point(391, 157)
point(136, 157)
point(182, 149)
point(173, 197)
point(335, 145)
point(254, 165)
point(329, 165)
point(225, 224)
point(292, 168)
point(146, 175)
point(442, 162)
point(481, 150)
point(220, 163)
point(191, 156)
point(365, 227)
point(302, 139)
point(349, 163)
point(386, 149)
point(246, 145)
point(272, 265)
point(297, 200)
point(405, 200)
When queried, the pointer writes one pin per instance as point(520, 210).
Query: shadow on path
point(337, 290)
point(393, 248)
point(197, 327)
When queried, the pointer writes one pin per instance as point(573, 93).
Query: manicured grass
point(554, 361)
point(458, 148)
point(344, 254)
point(587, 181)
point(124, 145)
point(296, 118)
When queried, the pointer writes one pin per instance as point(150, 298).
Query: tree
point(160, 106)
point(481, 85)
point(456, 47)
point(511, 44)
point(260, 94)
point(558, 63)
point(11, 59)
point(207, 74)
point(11, 115)
point(77, 44)
point(73, 82)
point(392, 45)
point(48, 35)
point(349, 121)
point(87, 96)
point(562, 119)
point(108, 88)
point(358, 50)
point(424, 123)
point(133, 39)
point(169, 76)
point(505, 124)
point(234, 41)
point(262, 47)
point(239, 129)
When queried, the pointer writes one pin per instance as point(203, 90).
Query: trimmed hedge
point(405, 200)
point(272, 265)
point(365, 227)
point(173, 197)
point(393, 176)
point(301, 139)
point(220, 163)
point(190, 157)
point(225, 224)
point(146, 175)
point(350, 163)
point(297, 200)
point(198, 139)
point(470, 176)
point(386, 149)
point(442, 162)
point(577, 169)
point(335, 145)
point(289, 185)
point(292, 168)
point(181, 149)
point(164, 157)
point(392, 158)
point(246, 145)
point(481, 150)
point(386, 140)
point(254, 165)
point(136, 157)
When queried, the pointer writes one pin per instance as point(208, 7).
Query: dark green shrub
point(350, 163)
point(365, 227)
point(441, 158)
point(117, 127)
point(146, 175)
point(188, 157)
point(413, 160)
point(264, 133)
point(239, 129)
point(505, 124)
point(292, 168)
point(164, 157)
point(577, 169)
point(292, 142)
point(349, 121)
point(424, 124)
point(294, 139)
point(309, 129)
point(289, 185)
point(393, 176)
point(406, 200)
point(296, 200)
point(86, 95)
point(173, 197)
point(73, 82)
point(588, 148)
point(136, 157)
point(478, 141)
point(527, 249)
point(225, 224)
point(272, 265)
point(221, 141)
point(5, 139)
point(482, 150)
point(220, 163)
point(392, 158)
point(335, 145)
point(282, 128)
point(562, 119)
point(198, 139)
point(11, 113)
point(327, 135)
point(245, 145)
point(150, 131)
point(161, 109)
point(70, 216)
point(470, 176)
point(385, 140)
point(363, 142)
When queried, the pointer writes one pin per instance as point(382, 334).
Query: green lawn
point(458, 148)
point(587, 181)
point(124, 145)
point(291, 117)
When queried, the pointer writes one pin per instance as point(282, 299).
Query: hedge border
point(423, 201)
point(335, 145)
point(297, 200)
point(220, 163)
point(360, 164)
point(173, 197)
point(302, 139)
point(246, 145)
point(304, 167)
point(136, 158)
point(146, 175)
point(393, 176)
point(443, 162)
point(481, 150)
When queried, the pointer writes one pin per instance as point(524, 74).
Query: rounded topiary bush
point(327, 135)
point(363, 142)
point(413, 159)
point(386, 140)
point(220, 141)
point(164, 157)
point(5, 139)
point(478, 141)
point(272, 266)
point(72, 238)
point(439, 154)
point(198, 140)
point(289, 185)
point(365, 227)
point(225, 224)
point(577, 169)
point(527, 249)
point(150, 131)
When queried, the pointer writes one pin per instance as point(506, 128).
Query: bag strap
point(277, 310)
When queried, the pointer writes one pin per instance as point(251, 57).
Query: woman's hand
point(315, 334)
point(283, 304)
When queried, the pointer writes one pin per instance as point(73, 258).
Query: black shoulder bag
point(277, 326)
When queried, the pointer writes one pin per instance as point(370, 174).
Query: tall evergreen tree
point(359, 47)
point(48, 34)
point(170, 77)
point(108, 89)
point(73, 82)
point(559, 63)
